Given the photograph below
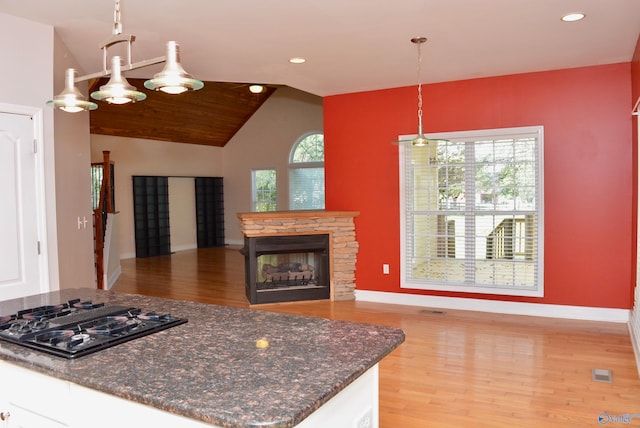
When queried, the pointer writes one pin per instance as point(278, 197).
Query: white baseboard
point(634, 333)
point(499, 307)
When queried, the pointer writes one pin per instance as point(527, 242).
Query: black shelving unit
point(209, 211)
point(151, 216)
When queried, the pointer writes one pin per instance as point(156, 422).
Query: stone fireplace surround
point(339, 225)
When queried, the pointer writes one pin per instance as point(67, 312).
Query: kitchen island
point(226, 367)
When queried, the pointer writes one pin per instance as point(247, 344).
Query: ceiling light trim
point(573, 17)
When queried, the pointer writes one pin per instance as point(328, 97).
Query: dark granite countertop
point(210, 369)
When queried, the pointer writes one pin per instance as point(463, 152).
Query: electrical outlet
point(385, 269)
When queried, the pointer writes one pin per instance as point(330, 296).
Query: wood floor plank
point(456, 368)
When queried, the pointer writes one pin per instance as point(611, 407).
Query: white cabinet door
point(32, 400)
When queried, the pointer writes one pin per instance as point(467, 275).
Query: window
point(306, 173)
point(96, 184)
point(471, 212)
point(264, 189)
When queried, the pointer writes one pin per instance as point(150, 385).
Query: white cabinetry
point(109, 411)
point(34, 400)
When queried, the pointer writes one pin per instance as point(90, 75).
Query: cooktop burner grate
point(76, 328)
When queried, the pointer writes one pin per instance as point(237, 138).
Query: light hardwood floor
point(455, 369)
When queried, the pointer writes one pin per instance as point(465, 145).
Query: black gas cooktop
point(78, 328)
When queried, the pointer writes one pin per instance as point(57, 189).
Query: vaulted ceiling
point(210, 116)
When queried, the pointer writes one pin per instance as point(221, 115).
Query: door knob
point(4, 416)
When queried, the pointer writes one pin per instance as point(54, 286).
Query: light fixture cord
point(117, 25)
point(419, 89)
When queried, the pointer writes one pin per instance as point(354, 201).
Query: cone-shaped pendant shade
point(118, 90)
point(173, 79)
point(71, 99)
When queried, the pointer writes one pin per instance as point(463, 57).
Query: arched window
point(306, 172)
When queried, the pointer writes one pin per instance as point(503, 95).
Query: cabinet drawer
point(32, 394)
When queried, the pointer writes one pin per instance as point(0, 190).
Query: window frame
point(292, 165)
point(474, 136)
point(254, 190)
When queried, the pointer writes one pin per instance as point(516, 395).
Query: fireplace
point(286, 268)
point(338, 225)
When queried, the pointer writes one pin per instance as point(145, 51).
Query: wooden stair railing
point(105, 206)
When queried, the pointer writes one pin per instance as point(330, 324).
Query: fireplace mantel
point(342, 239)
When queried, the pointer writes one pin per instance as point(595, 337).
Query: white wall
point(182, 213)
point(76, 259)
point(265, 142)
point(26, 78)
point(134, 156)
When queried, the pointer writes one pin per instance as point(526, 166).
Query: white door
point(20, 270)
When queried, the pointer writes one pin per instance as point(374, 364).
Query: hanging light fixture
point(118, 90)
point(71, 99)
point(173, 79)
point(420, 140)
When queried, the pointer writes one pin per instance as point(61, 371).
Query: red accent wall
point(588, 171)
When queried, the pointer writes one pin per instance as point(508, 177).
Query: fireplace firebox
point(286, 268)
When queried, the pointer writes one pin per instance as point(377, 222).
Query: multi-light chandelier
point(172, 79)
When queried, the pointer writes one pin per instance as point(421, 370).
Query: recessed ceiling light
point(256, 89)
point(297, 60)
point(573, 16)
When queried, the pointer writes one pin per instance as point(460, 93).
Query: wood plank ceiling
point(210, 116)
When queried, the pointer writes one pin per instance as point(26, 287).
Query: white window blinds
point(306, 173)
point(472, 212)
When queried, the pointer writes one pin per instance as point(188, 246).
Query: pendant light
point(118, 90)
point(173, 79)
point(420, 140)
point(71, 99)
